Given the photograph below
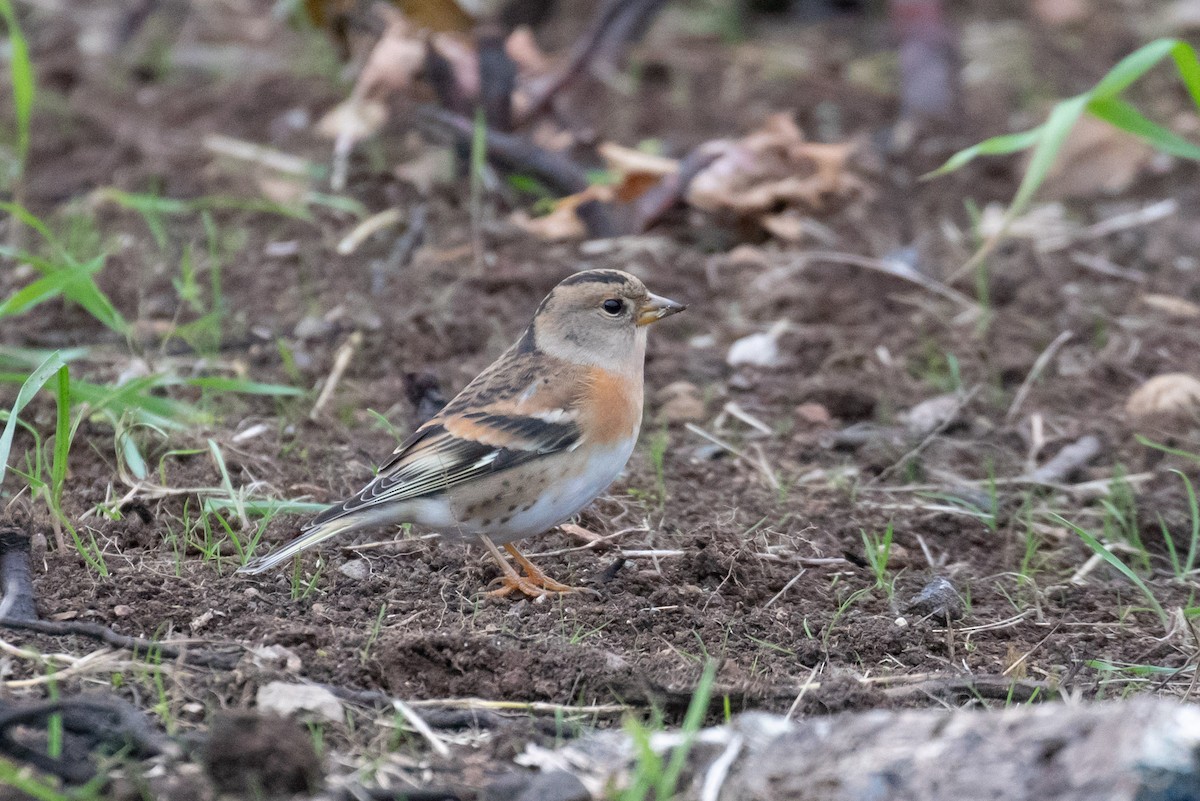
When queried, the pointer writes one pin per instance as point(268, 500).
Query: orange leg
point(534, 583)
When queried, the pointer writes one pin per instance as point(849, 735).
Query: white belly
point(567, 490)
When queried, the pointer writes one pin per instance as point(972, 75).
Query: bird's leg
point(535, 583)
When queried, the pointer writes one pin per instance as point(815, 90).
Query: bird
point(527, 444)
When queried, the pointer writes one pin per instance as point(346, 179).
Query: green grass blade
point(1120, 114)
point(31, 220)
point(1158, 446)
point(1189, 69)
point(1054, 133)
point(21, 79)
point(75, 283)
point(996, 146)
point(1129, 69)
point(32, 383)
point(240, 386)
point(1194, 512)
point(692, 720)
point(1112, 559)
point(62, 437)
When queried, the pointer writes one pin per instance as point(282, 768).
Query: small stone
point(355, 569)
point(813, 415)
point(938, 599)
point(122, 610)
point(283, 698)
point(930, 415)
point(680, 402)
point(311, 327)
point(756, 350)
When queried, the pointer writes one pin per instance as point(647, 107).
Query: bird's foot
point(535, 583)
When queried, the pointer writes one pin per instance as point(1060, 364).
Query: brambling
point(527, 444)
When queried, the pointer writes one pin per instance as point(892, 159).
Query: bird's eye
point(613, 306)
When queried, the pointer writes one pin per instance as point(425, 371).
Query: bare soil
point(754, 555)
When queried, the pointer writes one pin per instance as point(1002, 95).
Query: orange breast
point(612, 406)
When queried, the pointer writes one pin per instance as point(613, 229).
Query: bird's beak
point(655, 308)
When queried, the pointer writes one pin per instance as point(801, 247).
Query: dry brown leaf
point(771, 167)
point(1172, 306)
point(625, 160)
point(394, 61)
point(1097, 159)
point(354, 119)
point(1172, 397)
point(563, 221)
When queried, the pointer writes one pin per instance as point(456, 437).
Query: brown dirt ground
point(865, 346)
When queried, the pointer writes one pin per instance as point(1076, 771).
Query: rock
point(930, 415)
point(680, 402)
point(813, 415)
point(939, 600)
point(122, 610)
point(285, 699)
point(756, 350)
point(356, 569)
point(311, 327)
point(1172, 399)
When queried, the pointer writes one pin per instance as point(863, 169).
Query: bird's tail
point(317, 533)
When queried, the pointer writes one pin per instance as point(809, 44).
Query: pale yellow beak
point(656, 308)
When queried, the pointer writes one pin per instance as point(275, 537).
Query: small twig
point(340, 362)
point(804, 688)
point(255, 153)
point(949, 420)
point(91, 721)
point(516, 154)
point(1101, 265)
point(893, 268)
point(1120, 222)
point(1071, 458)
point(106, 635)
point(367, 228)
point(671, 190)
point(402, 251)
point(1035, 372)
point(607, 16)
point(421, 727)
point(786, 587)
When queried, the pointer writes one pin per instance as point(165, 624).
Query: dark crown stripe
point(595, 277)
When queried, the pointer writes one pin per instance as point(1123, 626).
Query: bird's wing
point(501, 420)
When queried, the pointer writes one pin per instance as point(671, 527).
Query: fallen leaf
point(769, 168)
point(563, 220)
point(1097, 159)
point(353, 118)
point(394, 61)
point(624, 160)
